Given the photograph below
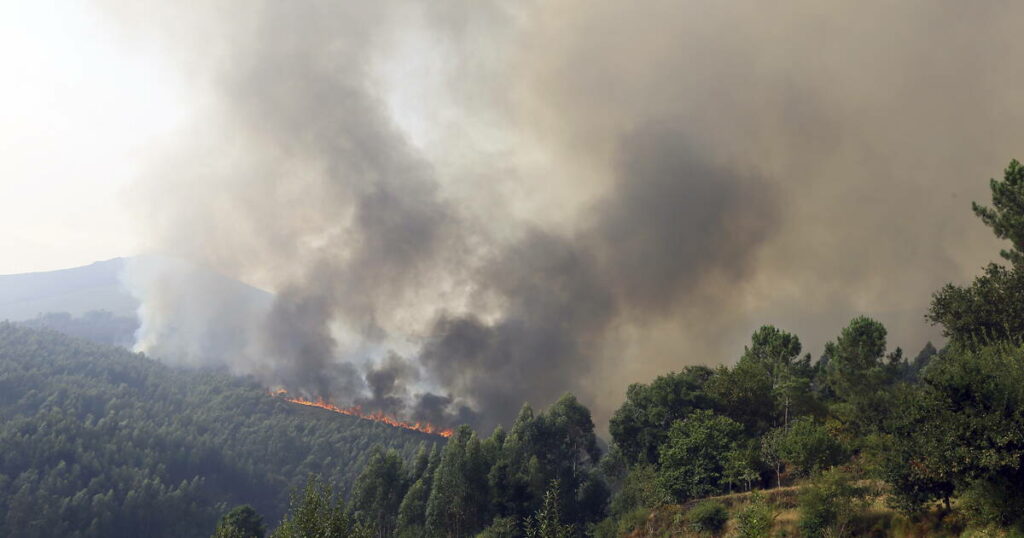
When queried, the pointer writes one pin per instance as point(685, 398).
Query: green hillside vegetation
point(99, 326)
point(98, 441)
point(862, 441)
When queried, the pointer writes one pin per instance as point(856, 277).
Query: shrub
point(988, 503)
point(755, 521)
point(829, 506)
point(633, 520)
point(708, 516)
point(501, 527)
point(641, 489)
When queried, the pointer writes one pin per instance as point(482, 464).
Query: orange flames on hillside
point(357, 411)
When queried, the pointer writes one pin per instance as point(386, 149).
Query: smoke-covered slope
point(76, 290)
point(98, 441)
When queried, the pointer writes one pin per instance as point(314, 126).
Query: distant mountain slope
point(77, 290)
point(95, 302)
point(98, 441)
point(99, 326)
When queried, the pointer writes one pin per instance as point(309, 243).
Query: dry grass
point(877, 520)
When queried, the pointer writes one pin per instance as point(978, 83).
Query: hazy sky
point(80, 110)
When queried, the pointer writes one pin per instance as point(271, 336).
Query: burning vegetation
point(357, 411)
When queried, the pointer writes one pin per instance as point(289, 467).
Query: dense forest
point(98, 441)
point(939, 435)
point(99, 326)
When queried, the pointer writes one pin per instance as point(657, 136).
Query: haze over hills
point(76, 290)
point(100, 301)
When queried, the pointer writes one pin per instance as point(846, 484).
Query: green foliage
point(412, 513)
point(769, 384)
point(990, 310)
point(960, 432)
point(962, 429)
point(641, 489)
point(620, 524)
point(241, 522)
point(641, 425)
point(744, 394)
point(861, 376)
point(806, 447)
point(855, 359)
point(708, 517)
point(99, 326)
point(771, 452)
point(96, 441)
point(453, 508)
point(741, 466)
point(379, 491)
point(505, 478)
point(986, 312)
point(756, 519)
point(501, 527)
point(318, 512)
point(994, 502)
point(693, 459)
point(829, 506)
point(548, 522)
point(918, 460)
point(1006, 216)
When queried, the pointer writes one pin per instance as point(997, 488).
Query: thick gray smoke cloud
point(461, 206)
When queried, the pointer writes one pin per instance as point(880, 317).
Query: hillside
point(76, 290)
point(98, 441)
point(872, 515)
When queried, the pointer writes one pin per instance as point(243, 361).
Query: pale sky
point(79, 112)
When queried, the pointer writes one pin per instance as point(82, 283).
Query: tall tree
point(318, 511)
point(241, 522)
point(379, 491)
point(641, 424)
point(450, 506)
point(548, 521)
point(693, 459)
point(991, 309)
point(1006, 216)
point(412, 513)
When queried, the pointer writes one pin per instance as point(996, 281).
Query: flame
point(357, 411)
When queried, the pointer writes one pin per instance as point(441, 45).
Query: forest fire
point(356, 411)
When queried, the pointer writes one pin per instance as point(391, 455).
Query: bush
point(633, 520)
point(641, 489)
point(755, 521)
point(808, 448)
point(829, 506)
point(606, 528)
point(989, 503)
point(708, 516)
point(501, 527)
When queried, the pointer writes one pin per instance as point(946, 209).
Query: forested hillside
point(98, 441)
point(99, 326)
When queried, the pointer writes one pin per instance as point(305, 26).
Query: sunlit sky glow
point(79, 113)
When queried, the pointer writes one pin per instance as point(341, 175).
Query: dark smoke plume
point(462, 205)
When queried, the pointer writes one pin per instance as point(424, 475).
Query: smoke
point(460, 206)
